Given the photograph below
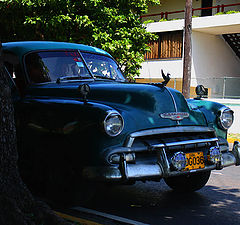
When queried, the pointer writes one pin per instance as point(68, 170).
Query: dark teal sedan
point(79, 121)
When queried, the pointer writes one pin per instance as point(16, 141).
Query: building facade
point(215, 45)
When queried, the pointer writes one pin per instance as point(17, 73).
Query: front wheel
point(188, 183)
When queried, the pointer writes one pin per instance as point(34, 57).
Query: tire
point(188, 183)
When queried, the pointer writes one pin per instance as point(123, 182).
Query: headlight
point(226, 118)
point(113, 123)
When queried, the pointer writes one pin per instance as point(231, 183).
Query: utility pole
point(187, 58)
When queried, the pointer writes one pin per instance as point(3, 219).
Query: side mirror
point(201, 91)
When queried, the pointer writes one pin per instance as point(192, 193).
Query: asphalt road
point(154, 203)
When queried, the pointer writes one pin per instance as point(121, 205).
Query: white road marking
point(108, 216)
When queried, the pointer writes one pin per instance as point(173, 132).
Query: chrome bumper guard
point(150, 171)
point(236, 152)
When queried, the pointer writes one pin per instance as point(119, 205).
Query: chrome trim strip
point(85, 63)
point(174, 103)
point(196, 141)
point(171, 130)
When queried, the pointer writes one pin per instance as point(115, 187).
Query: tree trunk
point(17, 205)
point(187, 58)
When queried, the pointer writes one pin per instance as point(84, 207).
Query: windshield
point(49, 66)
point(103, 67)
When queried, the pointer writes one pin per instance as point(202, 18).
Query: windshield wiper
point(108, 78)
point(59, 79)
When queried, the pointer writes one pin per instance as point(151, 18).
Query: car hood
point(142, 103)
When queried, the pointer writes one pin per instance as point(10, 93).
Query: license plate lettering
point(195, 160)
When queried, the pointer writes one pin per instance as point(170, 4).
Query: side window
point(37, 71)
point(16, 75)
point(9, 77)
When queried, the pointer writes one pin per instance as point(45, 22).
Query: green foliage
point(149, 21)
point(113, 25)
point(163, 20)
point(224, 13)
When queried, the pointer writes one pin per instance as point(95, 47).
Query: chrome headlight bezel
point(223, 122)
point(179, 161)
point(113, 131)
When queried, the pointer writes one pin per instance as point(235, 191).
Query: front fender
point(60, 116)
point(211, 111)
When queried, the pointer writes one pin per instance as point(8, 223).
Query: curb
point(76, 219)
point(86, 216)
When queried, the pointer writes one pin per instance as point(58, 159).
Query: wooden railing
point(220, 8)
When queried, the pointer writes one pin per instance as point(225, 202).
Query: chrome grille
point(146, 144)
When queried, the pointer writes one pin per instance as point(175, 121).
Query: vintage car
point(79, 121)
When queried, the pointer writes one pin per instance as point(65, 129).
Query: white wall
point(213, 59)
point(212, 56)
point(152, 68)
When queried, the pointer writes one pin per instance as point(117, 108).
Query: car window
point(103, 66)
point(15, 72)
point(51, 65)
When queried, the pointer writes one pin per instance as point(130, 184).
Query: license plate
point(195, 160)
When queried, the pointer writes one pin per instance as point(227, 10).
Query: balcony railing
point(219, 8)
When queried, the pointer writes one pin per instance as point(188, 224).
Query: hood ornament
point(166, 78)
point(84, 90)
point(176, 116)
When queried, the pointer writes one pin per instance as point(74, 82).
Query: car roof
point(22, 47)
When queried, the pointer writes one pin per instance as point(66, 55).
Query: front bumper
point(125, 172)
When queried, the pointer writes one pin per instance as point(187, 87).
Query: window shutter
point(168, 45)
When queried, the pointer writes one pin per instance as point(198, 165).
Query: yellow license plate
point(195, 160)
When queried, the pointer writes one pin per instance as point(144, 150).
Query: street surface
point(154, 203)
